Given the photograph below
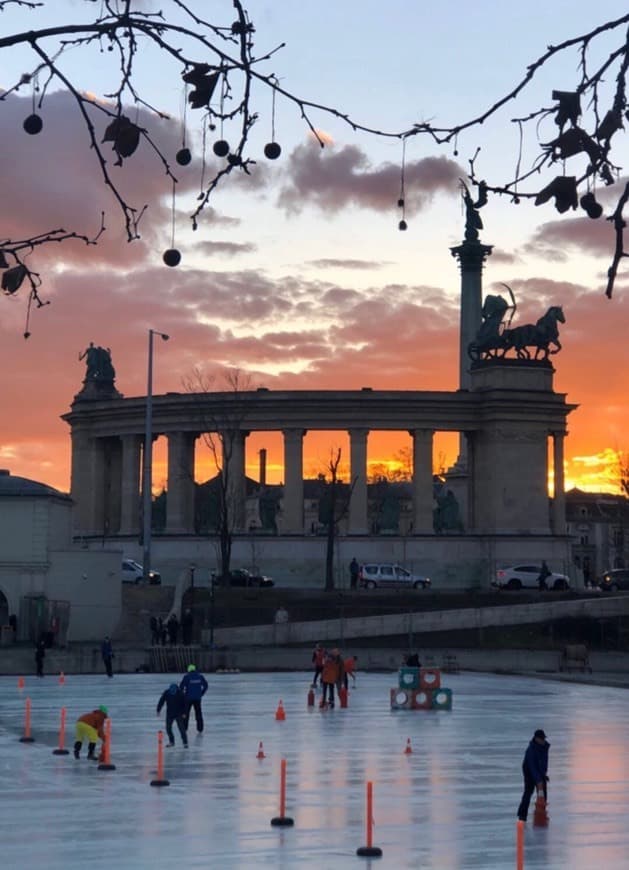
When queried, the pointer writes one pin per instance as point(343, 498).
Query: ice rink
point(450, 805)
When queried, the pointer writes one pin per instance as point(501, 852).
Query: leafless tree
point(213, 55)
point(221, 431)
point(334, 500)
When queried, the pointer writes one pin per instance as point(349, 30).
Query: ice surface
point(450, 805)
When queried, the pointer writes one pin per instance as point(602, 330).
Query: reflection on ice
point(449, 805)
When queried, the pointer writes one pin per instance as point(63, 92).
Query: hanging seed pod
point(221, 148)
point(589, 204)
point(33, 125)
point(272, 150)
point(172, 257)
point(402, 225)
point(400, 203)
point(183, 156)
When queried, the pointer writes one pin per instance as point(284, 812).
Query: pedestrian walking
point(153, 625)
point(544, 574)
point(172, 627)
point(318, 660)
point(107, 652)
point(175, 712)
point(194, 686)
point(354, 572)
point(163, 631)
point(187, 622)
point(40, 655)
point(90, 727)
point(534, 771)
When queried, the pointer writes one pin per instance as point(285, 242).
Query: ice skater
point(175, 712)
point(534, 770)
point(318, 660)
point(90, 727)
point(194, 686)
point(331, 676)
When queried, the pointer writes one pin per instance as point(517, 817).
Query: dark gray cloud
point(332, 263)
point(333, 178)
point(227, 249)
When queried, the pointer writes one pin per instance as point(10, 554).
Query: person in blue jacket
point(175, 712)
point(534, 770)
point(194, 687)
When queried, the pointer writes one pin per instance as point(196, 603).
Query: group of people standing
point(332, 670)
point(163, 632)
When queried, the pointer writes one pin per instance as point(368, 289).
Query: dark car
point(618, 578)
point(241, 577)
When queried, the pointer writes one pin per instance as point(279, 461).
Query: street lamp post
point(147, 466)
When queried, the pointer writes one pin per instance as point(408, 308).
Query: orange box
point(421, 699)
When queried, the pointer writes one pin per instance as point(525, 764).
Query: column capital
point(294, 434)
point(358, 432)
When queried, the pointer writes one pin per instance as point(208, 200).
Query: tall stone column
point(358, 519)
point(180, 501)
point(233, 442)
point(130, 485)
point(293, 501)
point(422, 481)
point(559, 498)
point(471, 254)
point(88, 483)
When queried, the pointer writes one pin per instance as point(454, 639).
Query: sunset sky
point(299, 275)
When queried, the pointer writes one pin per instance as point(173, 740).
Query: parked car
point(527, 577)
point(133, 572)
point(617, 578)
point(242, 577)
point(387, 575)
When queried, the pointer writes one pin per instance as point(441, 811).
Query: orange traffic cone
point(20, 682)
point(280, 715)
point(62, 678)
point(540, 815)
point(311, 698)
point(343, 697)
point(260, 751)
point(409, 749)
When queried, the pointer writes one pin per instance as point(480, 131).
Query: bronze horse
point(540, 335)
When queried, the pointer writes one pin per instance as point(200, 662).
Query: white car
point(387, 575)
point(527, 577)
point(133, 572)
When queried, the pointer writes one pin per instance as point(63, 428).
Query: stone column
point(358, 519)
point(88, 483)
point(559, 498)
point(471, 255)
point(180, 500)
point(422, 481)
point(130, 485)
point(293, 500)
point(233, 442)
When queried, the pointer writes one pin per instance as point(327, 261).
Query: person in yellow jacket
point(90, 727)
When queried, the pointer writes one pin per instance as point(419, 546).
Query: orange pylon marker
point(260, 751)
point(62, 678)
point(540, 814)
point(409, 748)
point(280, 715)
point(20, 682)
point(311, 697)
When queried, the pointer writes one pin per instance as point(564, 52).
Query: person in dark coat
point(194, 686)
point(107, 652)
point(354, 573)
point(172, 626)
point(187, 623)
point(175, 712)
point(154, 631)
point(534, 771)
point(544, 574)
point(40, 655)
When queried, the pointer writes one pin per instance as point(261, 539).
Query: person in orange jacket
point(90, 727)
point(332, 675)
point(318, 660)
point(349, 670)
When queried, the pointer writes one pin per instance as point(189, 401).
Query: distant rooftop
point(22, 486)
